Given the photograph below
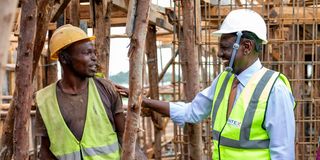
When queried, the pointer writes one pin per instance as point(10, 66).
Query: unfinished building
point(293, 49)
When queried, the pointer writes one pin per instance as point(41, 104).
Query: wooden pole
point(44, 9)
point(74, 12)
point(7, 14)
point(102, 25)
point(192, 86)
point(43, 18)
point(136, 52)
point(24, 79)
point(151, 52)
point(51, 68)
point(108, 8)
point(7, 134)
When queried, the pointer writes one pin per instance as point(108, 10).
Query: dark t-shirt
point(73, 107)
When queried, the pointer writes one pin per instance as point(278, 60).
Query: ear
point(64, 59)
point(248, 46)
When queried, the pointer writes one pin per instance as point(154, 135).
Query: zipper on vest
point(81, 155)
point(220, 138)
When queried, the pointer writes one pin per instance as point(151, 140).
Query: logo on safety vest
point(234, 123)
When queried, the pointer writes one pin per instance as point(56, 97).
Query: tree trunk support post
point(135, 53)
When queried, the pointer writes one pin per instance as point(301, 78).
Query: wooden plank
point(58, 9)
point(52, 26)
point(131, 15)
point(155, 17)
point(222, 11)
point(160, 20)
point(10, 67)
point(116, 11)
point(289, 15)
point(6, 97)
point(119, 15)
point(5, 106)
point(197, 7)
point(136, 52)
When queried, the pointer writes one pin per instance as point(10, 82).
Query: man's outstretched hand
point(123, 91)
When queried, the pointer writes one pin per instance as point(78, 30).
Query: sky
point(119, 61)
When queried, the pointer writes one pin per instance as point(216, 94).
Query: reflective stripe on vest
point(99, 141)
point(242, 133)
point(91, 152)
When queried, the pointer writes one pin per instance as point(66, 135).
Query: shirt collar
point(245, 75)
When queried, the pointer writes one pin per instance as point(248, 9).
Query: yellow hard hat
point(65, 36)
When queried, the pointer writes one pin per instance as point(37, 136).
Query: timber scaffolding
point(185, 27)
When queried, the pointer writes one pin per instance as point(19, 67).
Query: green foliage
point(120, 78)
point(123, 78)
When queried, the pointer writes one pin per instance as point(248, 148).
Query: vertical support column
point(151, 52)
point(107, 17)
point(51, 69)
point(192, 81)
point(74, 12)
point(43, 17)
point(102, 24)
point(24, 79)
point(136, 51)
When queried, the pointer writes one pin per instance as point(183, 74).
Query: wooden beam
point(118, 15)
point(136, 52)
point(131, 15)
point(43, 18)
point(289, 15)
point(49, 72)
point(5, 106)
point(24, 79)
point(102, 32)
point(160, 20)
point(10, 67)
point(151, 52)
point(58, 9)
point(156, 17)
point(52, 26)
point(223, 11)
point(74, 12)
point(238, 2)
point(197, 7)
point(191, 69)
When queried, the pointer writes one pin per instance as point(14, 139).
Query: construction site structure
point(185, 28)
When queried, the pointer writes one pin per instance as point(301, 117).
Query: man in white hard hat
point(251, 107)
point(79, 116)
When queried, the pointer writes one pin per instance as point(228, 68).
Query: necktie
point(232, 95)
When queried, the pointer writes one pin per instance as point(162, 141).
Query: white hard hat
point(244, 20)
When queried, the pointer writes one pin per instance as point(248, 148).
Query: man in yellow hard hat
point(251, 107)
point(79, 116)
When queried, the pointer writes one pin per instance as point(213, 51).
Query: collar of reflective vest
point(99, 141)
point(242, 136)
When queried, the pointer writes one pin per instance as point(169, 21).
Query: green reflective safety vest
point(99, 141)
point(241, 136)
